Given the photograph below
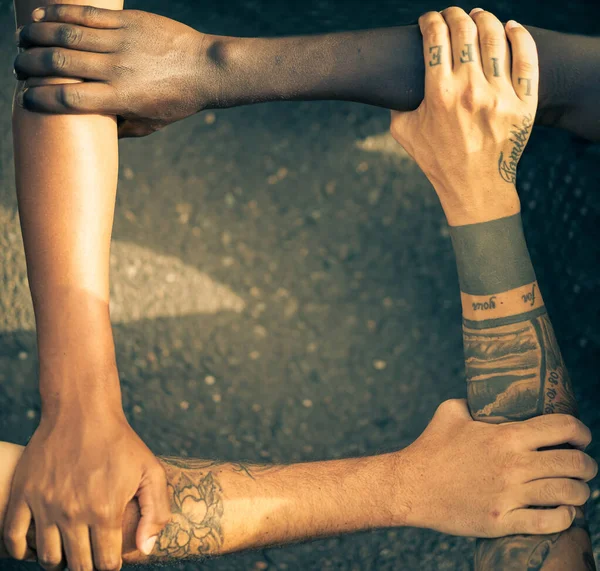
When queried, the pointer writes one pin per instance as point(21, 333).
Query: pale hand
point(469, 132)
point(76, 475)
point(477, 479)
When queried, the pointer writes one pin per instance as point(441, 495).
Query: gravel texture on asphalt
point(284, 286)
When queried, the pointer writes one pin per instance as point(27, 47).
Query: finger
point(154, 509)
point(463, 39)
point(107, 542)
point(74, 98)
point(89, 16)
point(48, 546)
point(76, 543)
point(525, 72)
point(67, 36)
point(16, 524)
point(493, 46)
point(563, 464)
point(540, 521)
point(130, 129)
point(436, 49)
point(58, 62)
point(553, 430)
point(555, 492)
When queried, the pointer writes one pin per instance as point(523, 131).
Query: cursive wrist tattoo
point(507, 167)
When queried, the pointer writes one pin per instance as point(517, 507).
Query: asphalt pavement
point(283, 283)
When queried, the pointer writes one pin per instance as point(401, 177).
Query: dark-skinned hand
point(147, 70)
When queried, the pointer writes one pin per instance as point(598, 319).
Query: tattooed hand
point(486, 480)
point(469, 132)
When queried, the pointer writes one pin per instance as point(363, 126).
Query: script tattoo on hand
point(518, 137)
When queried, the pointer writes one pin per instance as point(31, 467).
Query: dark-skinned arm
point(150, 84)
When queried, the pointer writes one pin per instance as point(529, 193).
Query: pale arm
point(66, 177)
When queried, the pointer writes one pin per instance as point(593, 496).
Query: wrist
point(475, 202)
point(210, 71)
point(408, 497)
point(92, 395)
point(492, 256)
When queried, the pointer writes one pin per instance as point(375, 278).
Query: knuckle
point(435, 31)
point(69, 35)
point(465, 28)
point(48, 561)
point(491, 40)
point(578, 460)
point(440, 96)
point(471, 98)
point(525, 67)
point(58, 60)
point(109, 563)
point(59, 12)
point(541, 522)
point(11, 538)
point(70, 98)
point(91, 13)
point(67, 514)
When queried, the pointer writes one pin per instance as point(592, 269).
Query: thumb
point(154, 508)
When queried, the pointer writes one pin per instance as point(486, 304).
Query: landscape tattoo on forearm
point(514, 371)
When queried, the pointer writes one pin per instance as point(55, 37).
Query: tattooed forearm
point(514, 367)
point(194, 530)
point(518, 138)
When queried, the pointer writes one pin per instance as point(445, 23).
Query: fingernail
point(38, 14)
point(475, 10)
point(149, 545)
point(18, 35)
point(573, 512)
point(512, 24)
point(20, 96)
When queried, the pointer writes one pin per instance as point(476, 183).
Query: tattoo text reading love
point(519, 137)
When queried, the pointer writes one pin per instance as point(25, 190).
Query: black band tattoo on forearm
point(466, 56)
point(436, 55)
point(492, 257)
point(519, 136)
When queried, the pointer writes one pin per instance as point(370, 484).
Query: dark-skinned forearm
point(385, 67)
point(514, 371)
